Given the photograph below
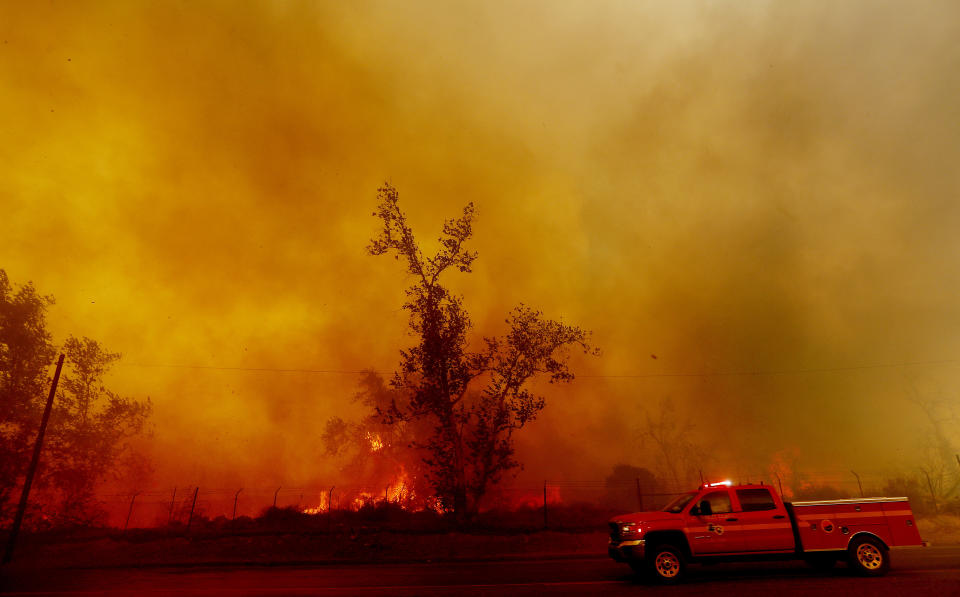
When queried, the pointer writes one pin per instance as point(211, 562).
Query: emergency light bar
point(719, 484)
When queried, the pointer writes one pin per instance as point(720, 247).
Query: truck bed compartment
point(830, 524)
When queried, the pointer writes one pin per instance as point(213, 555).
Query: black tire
point(666, 564)
point(821, 562)
point(867, 556)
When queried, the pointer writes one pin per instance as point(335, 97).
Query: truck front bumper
point(626, 551)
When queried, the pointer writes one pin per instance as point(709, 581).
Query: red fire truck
point(725, 522)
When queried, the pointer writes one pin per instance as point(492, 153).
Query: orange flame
point(376, 443)
point(399, 491)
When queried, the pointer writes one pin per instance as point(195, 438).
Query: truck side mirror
point(703, 509)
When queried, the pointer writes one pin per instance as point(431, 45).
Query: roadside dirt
point(289, 548)
point(356, 545)
point(943, 529)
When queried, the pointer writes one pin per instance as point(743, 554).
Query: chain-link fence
point(550, 504)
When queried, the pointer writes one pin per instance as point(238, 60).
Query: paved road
point(933, 571)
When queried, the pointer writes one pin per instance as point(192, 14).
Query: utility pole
point(639, 495)
point(22, 508)
point(780, 485)
point(275, 495)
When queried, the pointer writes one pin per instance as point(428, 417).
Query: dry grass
point(941, 529)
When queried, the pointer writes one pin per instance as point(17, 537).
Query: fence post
point(235, 497)
point(192, 506)
point(860, 485)
point(172, 502)
point(544, 505)
point(130, 511)
point(936, 508)
point(330, 508)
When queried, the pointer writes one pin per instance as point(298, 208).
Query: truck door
point(764, 526)
point(712, 533)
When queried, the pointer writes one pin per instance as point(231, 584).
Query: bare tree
point(679, 457)
point(938, 450)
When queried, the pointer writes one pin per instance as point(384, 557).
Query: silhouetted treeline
point(87, 439)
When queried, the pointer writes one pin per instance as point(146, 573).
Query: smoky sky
point(747, 200)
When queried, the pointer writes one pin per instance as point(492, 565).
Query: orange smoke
point(759, 195)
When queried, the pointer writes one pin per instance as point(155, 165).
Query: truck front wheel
point(665, 563)
point(868, 557)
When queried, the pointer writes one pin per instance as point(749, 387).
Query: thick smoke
point(759, 197)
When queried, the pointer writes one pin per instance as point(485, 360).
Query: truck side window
point(753, 500)
point(719, 502)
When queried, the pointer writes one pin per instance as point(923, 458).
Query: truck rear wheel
point(867, 556)
point(666, 564)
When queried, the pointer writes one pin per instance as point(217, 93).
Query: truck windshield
point(677, 505)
